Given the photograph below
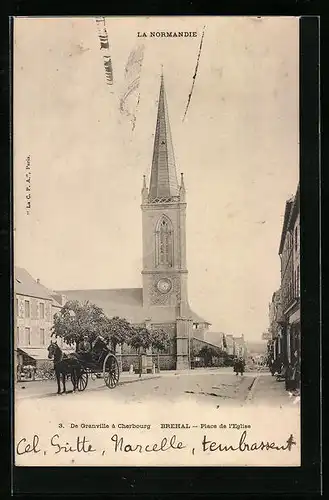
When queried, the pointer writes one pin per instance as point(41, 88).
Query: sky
point(238, 148)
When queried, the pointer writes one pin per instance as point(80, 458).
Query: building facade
point(162, 302)
point(34, 310)
point(289, 252)
point(276, 321)
point(240, 347)
point(293, 313)
point(284, 309)
point(230, 345)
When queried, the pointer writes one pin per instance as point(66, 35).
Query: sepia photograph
point(156, 241)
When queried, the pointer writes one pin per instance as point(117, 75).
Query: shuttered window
point(27, 309)
point(42, 336)
point(28, 335)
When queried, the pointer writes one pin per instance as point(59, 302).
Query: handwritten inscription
point(165, 445)
point(81, 444)
point(23, 446)
point(120, 444)
point(242, 445)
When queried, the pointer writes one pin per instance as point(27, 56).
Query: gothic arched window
point(164, 242)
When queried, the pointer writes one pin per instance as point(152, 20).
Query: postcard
point(156, 241)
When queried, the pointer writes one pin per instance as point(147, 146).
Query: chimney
point(38, 281)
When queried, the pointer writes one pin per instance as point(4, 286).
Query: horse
point(63, 365)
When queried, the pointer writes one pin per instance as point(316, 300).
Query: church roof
point(198, 319)
point(163, 181)
point(123, 302)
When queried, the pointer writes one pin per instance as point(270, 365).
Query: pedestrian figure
point(19, 372)
point(84, 349)
point(293, 374)
point(100, 347)
point(239, 366)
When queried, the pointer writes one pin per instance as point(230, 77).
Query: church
point(162, 302)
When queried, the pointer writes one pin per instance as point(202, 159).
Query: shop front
point(29, 361)
point(295, 340)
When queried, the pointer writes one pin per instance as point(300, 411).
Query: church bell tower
point(164, 271)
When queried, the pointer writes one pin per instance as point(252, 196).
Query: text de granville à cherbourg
point(118, 441)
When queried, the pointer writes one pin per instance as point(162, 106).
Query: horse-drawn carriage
point(101, 361)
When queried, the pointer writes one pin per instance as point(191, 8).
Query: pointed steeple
point(163, 182)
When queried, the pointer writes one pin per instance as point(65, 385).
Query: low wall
point(167, 361)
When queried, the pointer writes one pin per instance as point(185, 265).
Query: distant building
point(256, 347)
point(216, 338)
point(230, 345)
point(34, 310)
point(240, 347)
point(276, 343)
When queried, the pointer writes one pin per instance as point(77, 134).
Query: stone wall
point(167, 362)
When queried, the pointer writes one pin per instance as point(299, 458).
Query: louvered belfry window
point(164, 244)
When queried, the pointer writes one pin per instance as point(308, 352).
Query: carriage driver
point(84, 348)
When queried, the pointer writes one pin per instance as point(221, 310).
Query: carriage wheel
point(111, 371)
point(82, 381)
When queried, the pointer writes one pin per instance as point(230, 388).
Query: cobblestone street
point(219, 387)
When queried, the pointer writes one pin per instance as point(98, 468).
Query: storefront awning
point(34, 353)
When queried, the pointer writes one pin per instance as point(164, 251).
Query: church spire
point(163, 182)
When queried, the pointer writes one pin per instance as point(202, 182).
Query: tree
point(160, 339)
point(160, 342)
point(118, 331)
point(142, 339)
point(209, 352)
point(76, 319)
